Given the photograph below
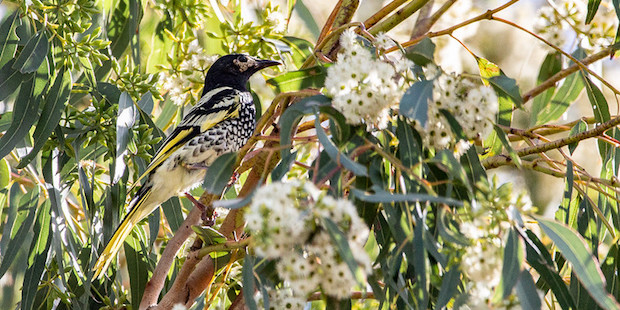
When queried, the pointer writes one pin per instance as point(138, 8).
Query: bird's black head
point(234, 70)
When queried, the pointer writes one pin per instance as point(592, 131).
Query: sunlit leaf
point(385, 197)
point(137, 264)
point(209, 235)
point(297, 80)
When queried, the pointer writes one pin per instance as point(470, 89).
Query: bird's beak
point(264, 63)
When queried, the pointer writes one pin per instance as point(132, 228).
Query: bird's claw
point(208, 215)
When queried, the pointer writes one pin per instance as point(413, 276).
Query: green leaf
point(539, 258)
point(22, 224)
point(419, 261)
point(247, 278)
point(414, 103)
point(568, 92)
point(592, 8)
point(219, 173)
point(338, 126)
point(335, 154)
point(511, 151)
point(53, 106)
point(297, 80)
point(307, 18)
point(11, 79)
point(487, 69)
point(5, 173)
point(551, 65)
point(581, 126)
point(449, 284)
point(585, 267)
point(597, 100)
point(124, 25)
point(8, 38)
point(24, 116)
point(453, 168)
point(422, 53)
point(507, 88)
point(527, 292)
point(385, 197)
point(209, 235)
point(409, 149)
point(174, 213)
point(33, 54)
point(137, 264)
point(39, 250)
point(513, 260)
point(342, 246)
point(300, 49)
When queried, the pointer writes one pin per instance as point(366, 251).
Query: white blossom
point(362, 86)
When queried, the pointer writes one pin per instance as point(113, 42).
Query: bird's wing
point(214, 107)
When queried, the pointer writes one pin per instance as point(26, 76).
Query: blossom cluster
point(363, 86)
point(562, 20)
point(485, 222)
point(473, 105)
point(287, 224)
point(188, 76)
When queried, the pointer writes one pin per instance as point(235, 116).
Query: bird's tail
point(141, 207)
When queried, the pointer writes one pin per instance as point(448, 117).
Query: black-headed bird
point(222, 121)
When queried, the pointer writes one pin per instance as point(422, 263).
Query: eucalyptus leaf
point(33, 54)
point(297, 80)
point(219, 173)
point(414, 103)
point(574, 249)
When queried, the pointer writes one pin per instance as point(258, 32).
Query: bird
point(222, 121)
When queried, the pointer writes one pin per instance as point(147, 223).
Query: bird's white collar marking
point(244, 66)
point(210, 94)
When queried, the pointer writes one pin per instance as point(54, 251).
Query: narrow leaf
point(527, 292)
point(581, 126)
point(37, 258)
point(507, 88)
point(335, 154)
point(249, 285)
point(300, 49)
point(26, 214)
point(24, 116)
point(513, 259)
point(137, 264)
point(219, 173)
point(511, 151)
point(550, 66)
point(306, 16)
point(53, 106)
point(592, 8)
point(585, 267)
point(33, 54)
point(11, 79)
point(342, 246)
point(385, 197)
point(8, 38)
point(449, 283)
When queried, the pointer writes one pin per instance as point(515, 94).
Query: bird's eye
point(243, 59)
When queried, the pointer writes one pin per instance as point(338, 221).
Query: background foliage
point(89, 88)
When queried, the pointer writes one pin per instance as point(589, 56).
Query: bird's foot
point(208, 213)
point(233, 179)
